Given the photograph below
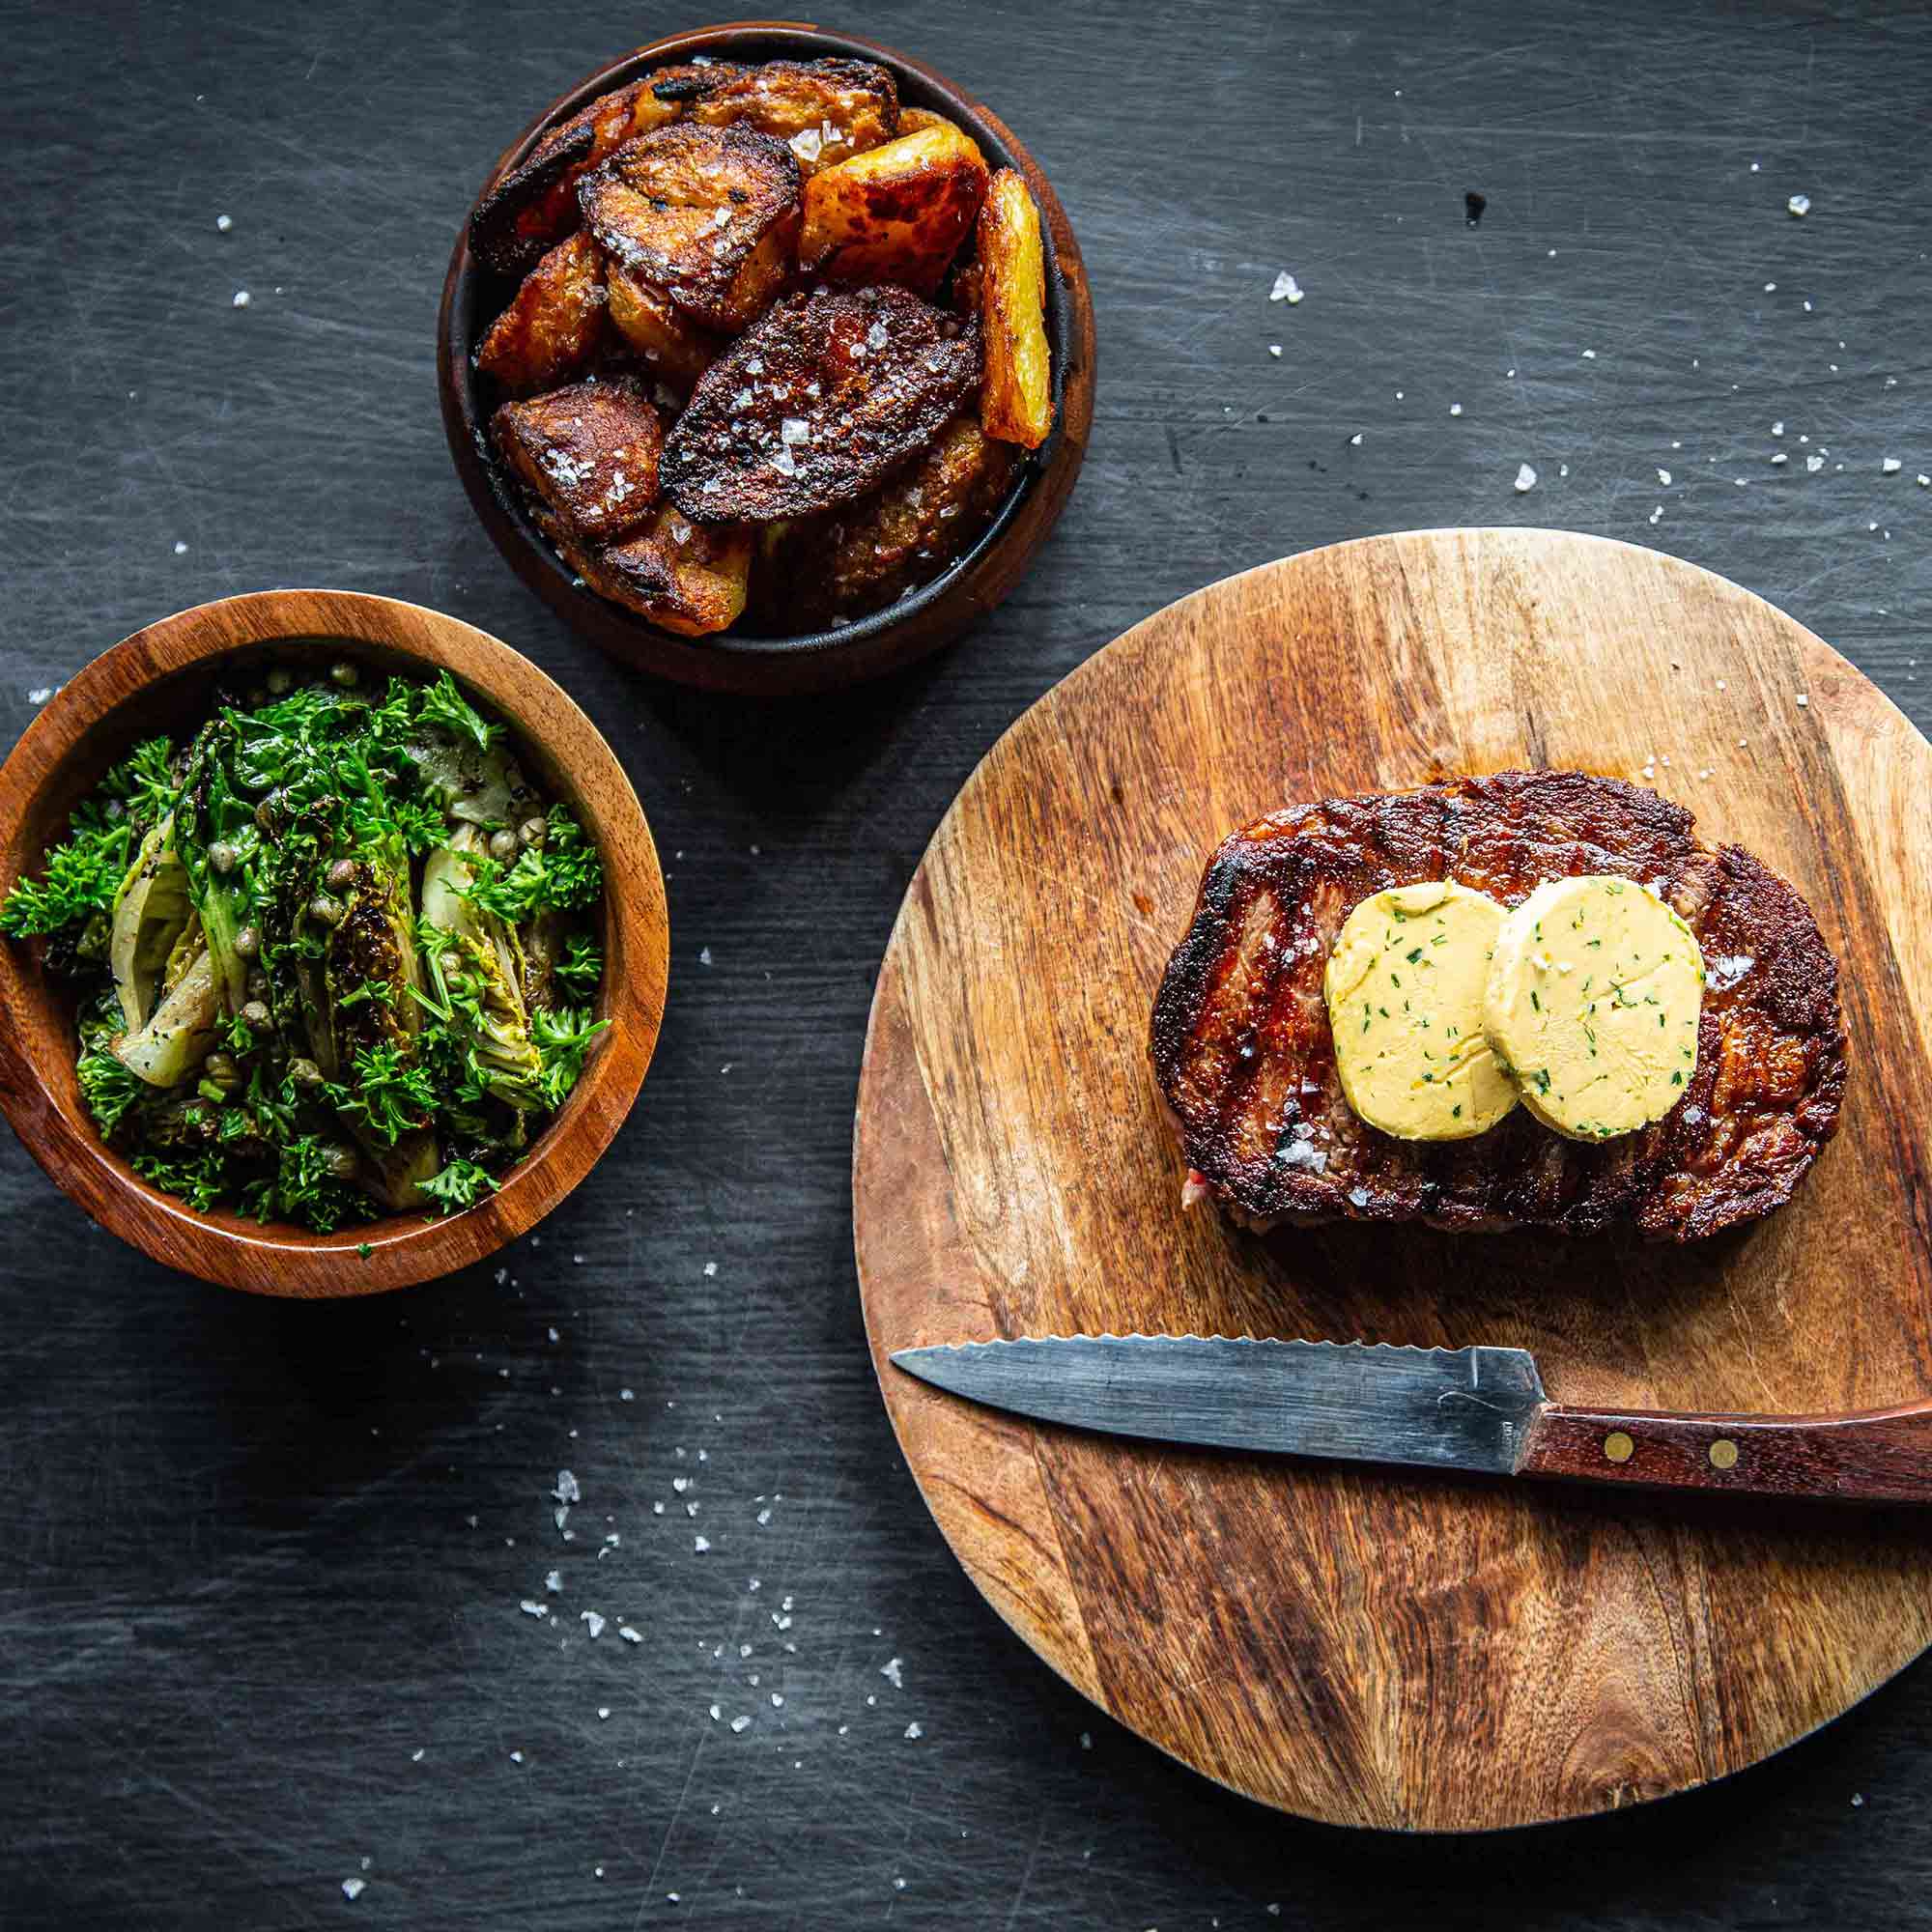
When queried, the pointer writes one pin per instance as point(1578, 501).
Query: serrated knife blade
point(1478, 1409)
point(1452, 1408)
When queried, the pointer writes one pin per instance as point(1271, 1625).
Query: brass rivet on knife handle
point(1724, 1454)
point(1618, 1446)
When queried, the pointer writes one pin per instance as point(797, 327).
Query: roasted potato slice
point(588, 454)
point(553, 323)
point(896, 213)
point(1016, 402)
point(707, 215)
point(825, 111)
point(913, 119)
point(816, 403)
point(865, 555)
point(535, 204)
point(678, 350)
point(532, 205)
point(684, 575)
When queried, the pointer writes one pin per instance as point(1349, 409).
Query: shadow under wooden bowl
point(916, 625)
point(160, 680)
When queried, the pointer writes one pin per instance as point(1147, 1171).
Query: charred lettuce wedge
point(334, 955)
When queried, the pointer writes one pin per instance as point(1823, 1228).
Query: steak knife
point(1480, 1409)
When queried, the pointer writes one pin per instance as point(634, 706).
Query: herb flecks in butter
point(1417, 1068)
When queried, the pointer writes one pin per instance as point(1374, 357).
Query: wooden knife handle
point(1879, 1455)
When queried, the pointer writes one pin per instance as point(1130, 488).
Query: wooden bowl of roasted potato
point(766, 358)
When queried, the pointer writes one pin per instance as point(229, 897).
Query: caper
point(342, 874)
point(257, 1014)
point(532, 831)
point(248, 943)
point(258, 981)
point(304, 1072)
point(222, 856)
point(267, 813)
point(340, 1161)
point(324, 911)
point(220, 1066)
point(503, 844)
point(281, 681)
point(344, 673)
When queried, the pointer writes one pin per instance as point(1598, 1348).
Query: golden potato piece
point(1016, 398)
point(825, 111)
point(588, 454)
point(913, 119)
point(869, 554)
point(707, 215)
point(818, 403)
point(553, 323)
point(896, 213)
point(685, 577)
point(678, 350)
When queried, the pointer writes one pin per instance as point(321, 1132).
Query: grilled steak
point(1243, 1053)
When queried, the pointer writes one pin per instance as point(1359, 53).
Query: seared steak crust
point(1243, 1058)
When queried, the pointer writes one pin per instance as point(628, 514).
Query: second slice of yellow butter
point(1593, 1000)
point(1405, 988)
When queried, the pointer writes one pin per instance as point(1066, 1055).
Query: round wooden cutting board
point(1390, 1647)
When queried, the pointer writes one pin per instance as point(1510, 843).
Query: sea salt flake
point(1663, 477)
point(741, 1723)
point(354, 1887)
point(1798, 207)
point(1455, 408)
point(893, 1672)
point(532, 1609)
point(593, 1622)
point(566, 1491)
point(1891, 466)
point(1286, 289)
point(224, 222)
point(914, 1731)
point(243, 299)
point(700, 1544)
point(1355, 441)
point(1814, 464)
point(629, 1635)
point(1274, 348)
point(1525, 478)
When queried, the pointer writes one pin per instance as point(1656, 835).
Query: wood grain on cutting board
point(1368, 1646)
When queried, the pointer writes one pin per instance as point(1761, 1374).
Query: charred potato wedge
point(1017, 401)
point(587, 455)
point(896, 213)
point(535, 204)
point(684, 575)
point(531, 206)
point(825, 111)
point(816, 403)
point(707, 215)
point(678, 350)
point(553, 323)
point(871, 552)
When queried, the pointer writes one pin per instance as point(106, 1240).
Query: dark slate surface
point(264, 1563)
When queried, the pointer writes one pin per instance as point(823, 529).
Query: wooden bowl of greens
point(335, 943)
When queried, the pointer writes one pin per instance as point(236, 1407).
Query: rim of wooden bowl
point(130, 693)
point(937, 612)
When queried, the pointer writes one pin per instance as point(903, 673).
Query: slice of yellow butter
point(1405, 988)
point(1592, 1002)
